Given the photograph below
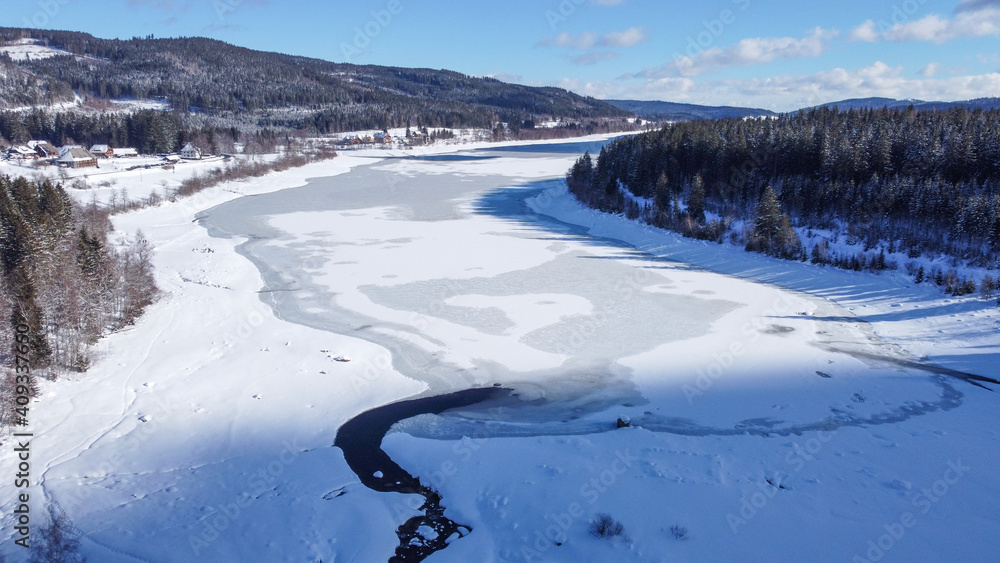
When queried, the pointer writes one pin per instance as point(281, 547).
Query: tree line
point(924, 182)
point(148, 131)
point(63, 277)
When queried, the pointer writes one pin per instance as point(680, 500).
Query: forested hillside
point(920, 182)
point(229, 85)
point(62, 278)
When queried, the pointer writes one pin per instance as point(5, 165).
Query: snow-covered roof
point(100, 148)
point(126, 151)
point(76, 154)
point(22, 150)
point(46, 147)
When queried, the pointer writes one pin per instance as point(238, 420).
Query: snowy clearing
point(28, 48)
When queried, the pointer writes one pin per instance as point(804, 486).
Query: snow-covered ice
point(779, 411)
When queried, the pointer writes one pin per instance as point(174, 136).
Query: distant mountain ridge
point(673, 111)
point(891, 103)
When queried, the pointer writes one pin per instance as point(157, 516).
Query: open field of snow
point(121, 177)
point(28, 48)
point(781, 411)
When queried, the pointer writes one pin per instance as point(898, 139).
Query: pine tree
point(772, 232)
point(696, 199)
point(821, 253)
point(581, 175)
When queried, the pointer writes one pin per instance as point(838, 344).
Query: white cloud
point(975, 5)
point(930, 70)
point(750, 51)
point(785, 93)
point(595, 57)
point(588, 40)
point(990, 59)
point(581, 42)
point(867, 31)
point(607, 2)
point(509, 78)
point(628, 38)
point(983, 21)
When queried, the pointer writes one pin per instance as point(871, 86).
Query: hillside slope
point(217, 80)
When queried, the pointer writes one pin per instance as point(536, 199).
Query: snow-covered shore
point(204, 432)
point(954, 332)
point(194, 400)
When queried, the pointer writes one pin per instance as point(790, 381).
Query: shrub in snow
point(604, 526)
point(987, 287)
point(679, 532)
point(53, 545)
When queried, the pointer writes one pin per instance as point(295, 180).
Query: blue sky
point(778, 54)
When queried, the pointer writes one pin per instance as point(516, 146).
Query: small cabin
point(126, 152)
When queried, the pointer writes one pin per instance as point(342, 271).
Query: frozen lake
point(452, 265)
point(441, 262)
point(405, 256)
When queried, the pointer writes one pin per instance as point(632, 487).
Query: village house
point(44, 149)
point(102, 151)
point(66, 148)
point(191, 152)
point(21, 152)
point(77, 158)
point(383, 137)
point(126, 152)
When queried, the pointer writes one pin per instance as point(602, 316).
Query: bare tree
point(54, 544)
